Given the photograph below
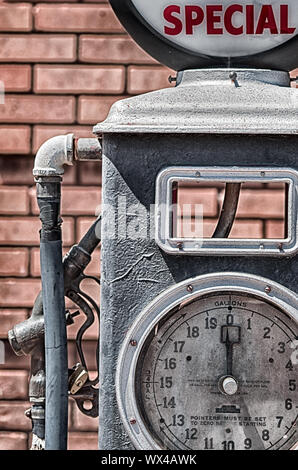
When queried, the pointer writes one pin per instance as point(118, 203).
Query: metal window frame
point(224, 246)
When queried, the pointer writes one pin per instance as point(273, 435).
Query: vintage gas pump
point(198, 332)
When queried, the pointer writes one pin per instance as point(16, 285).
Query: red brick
point(59, 1)
point(75, 200)
point(19, 231)
point(241, 228)
point(145, 79)
point(80, 200)
point(82, 422)
point(13, 385)
point(264, 204)
point(294, 74)
point(43, 133)
point(78, 79)
point(15, 17)
point(37, 48)
point(14, 200)
point(12, 416)
point(35, 109)
point(25, 231)
point(14, 262)
point(9, 318)
point(16, 77)
point(89, 173)
point(18, 292)
point(112, 50)
point(83, 224)
point(83, 441)
point(247, 229)
point(15, 139)
point(51, 1)
point(207, 197)
point(16, 170)
point(12, 361)
point(94, 109)
point(76, 18)
point(275, 229)
point(13, 441)
point(35, 262)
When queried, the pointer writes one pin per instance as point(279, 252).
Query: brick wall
point(62, 65)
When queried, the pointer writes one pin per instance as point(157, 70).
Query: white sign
point(222, 28)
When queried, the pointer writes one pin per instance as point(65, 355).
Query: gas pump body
point(180, 127)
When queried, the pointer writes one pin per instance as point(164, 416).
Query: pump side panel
point(135, 271)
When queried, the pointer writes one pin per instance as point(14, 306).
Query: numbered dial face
point(221, 373)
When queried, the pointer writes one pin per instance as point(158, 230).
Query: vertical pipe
point(48, 196)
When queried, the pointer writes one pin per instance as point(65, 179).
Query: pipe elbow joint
point(53, 155)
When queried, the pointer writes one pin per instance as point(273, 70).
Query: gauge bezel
point(186, 291)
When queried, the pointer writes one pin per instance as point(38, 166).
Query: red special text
point(218, 19)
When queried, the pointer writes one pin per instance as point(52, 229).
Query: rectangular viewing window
point(261, 211)
point(227, 211)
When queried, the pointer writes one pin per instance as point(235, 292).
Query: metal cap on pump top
point(185, 34)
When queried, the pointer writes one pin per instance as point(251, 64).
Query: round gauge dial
point(219, 372)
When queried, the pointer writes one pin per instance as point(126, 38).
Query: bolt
point(132, 421)
point(233, 76)
point(172, 79)
point(180, 245)
point(189, 288)
point(28, 413)
point(197, 174)
point(267, 289)
point(133, 342)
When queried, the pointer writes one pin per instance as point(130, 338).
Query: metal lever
point(77, 379)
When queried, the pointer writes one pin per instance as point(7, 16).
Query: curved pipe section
point(228, 211)
point(53, 155)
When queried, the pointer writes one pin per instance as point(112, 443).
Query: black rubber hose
point(228, 211)
point(56, 427)
point(91, 238)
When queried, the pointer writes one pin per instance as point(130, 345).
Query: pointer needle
point(230, 335)
point(229, 352)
